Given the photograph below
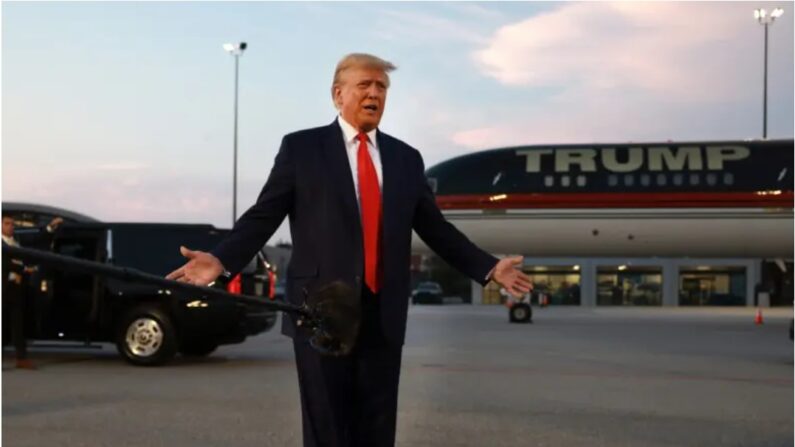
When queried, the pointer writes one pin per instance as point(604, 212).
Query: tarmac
point(574, 377)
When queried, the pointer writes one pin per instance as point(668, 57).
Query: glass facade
point(491, 294)
point(561, 284)
point(629, 286)
point(712, 286)
point(639, 282)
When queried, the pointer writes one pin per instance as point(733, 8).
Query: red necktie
point(370, 200)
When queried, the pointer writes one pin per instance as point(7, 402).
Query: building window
point(662, 180)
point(549, 181)
point(629, 286)
point(712, 286)
point(491, 294)
point(560, 284)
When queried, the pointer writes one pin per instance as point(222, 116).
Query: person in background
point(15, 283)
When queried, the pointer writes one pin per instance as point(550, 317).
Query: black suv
point(149, 325)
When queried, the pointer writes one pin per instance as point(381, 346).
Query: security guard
point(15, 275)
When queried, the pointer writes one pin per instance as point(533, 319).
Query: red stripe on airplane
point(766, 199)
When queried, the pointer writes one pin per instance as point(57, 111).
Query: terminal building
point(639, 224)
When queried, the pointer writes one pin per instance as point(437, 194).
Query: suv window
point(155, 249)
point(83, 248)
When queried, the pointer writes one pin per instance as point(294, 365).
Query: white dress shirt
point(349, 134)
point(10, 241)
point(13, 276)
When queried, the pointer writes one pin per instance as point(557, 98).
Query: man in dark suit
point(16, 305)
point(14, 297)
point(353, 194)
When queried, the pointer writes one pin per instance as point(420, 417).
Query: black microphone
point(333, 315)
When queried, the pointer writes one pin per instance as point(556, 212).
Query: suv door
point(70, 301)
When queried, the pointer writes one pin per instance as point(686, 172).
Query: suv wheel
point(146, 336)
point(198, 348)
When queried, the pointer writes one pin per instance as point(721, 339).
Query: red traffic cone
point(758, 319)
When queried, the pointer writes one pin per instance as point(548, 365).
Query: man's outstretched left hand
point(512, 279)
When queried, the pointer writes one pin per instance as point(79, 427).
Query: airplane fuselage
point(699, 199)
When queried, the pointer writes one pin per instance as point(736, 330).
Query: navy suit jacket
point(311, 182)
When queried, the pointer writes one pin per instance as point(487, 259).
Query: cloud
point(153, 195)
point(630, 71)
point(603, 119)
point(120, 195)
point(121, 166)
point(477, 11)
point(418, 27)
point(677, 50)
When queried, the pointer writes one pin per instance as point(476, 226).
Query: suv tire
point(146, 336)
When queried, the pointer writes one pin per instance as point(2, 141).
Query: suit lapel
point(390, 182)
point(340, 168)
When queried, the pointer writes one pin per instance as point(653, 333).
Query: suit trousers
point(351, 401)
point(14, 306)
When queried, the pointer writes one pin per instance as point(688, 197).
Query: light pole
point(236, 50)
point(766, 19)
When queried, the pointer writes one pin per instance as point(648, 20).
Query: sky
point(124, 110)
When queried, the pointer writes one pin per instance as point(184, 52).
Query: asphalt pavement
point(574, 377)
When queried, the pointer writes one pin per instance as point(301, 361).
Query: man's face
point(8, 226)
point(361, 96)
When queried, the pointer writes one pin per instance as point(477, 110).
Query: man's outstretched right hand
point(202, 269)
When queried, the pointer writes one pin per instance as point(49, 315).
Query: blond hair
point(361, 60)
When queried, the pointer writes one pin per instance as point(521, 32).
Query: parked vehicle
point(427, 293)
point(28, 215)
point(149, 325)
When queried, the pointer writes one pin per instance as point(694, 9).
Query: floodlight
point(236, 49)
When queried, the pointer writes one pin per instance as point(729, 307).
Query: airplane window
point(662, 180)
point(694, 179)
point(728, 178)
point(580, 180)
point(565, 180)
point(549, 181)
point(612, 180)
point(712, 179)
point(678, 179)
point(645, 179)
point(629, 180)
